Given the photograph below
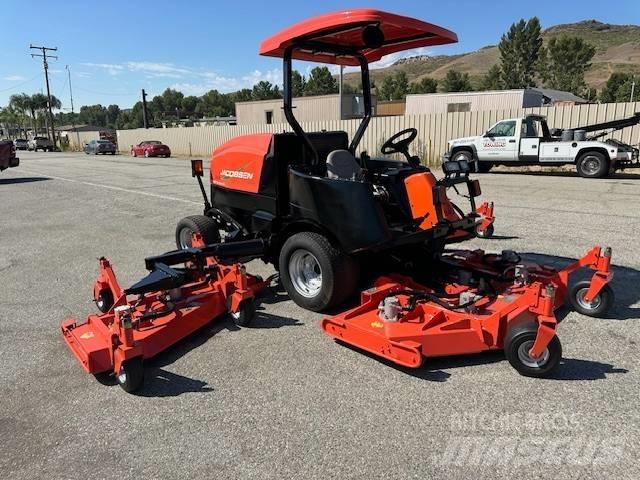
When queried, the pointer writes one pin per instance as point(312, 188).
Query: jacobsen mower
point(306, 203)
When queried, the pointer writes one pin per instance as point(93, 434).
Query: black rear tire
point(131, 375)
point(518, 342)
point(205, 226)
point(598, 307)
point(331, 276)
point(592, 165)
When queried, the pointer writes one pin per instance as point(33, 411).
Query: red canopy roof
point(344, 29)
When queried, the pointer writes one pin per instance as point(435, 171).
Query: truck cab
point(529, 141)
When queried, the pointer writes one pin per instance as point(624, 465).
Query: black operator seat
point(342, 165)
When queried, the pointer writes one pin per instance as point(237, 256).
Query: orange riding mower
point(474, 302)
point(164, 307)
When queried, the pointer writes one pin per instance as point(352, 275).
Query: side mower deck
point(163, 308)
point(481, 302)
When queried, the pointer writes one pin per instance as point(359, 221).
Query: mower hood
point(370, 33)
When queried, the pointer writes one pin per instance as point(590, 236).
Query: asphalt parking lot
point(281, 399)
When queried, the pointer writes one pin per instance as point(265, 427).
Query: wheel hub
point(592, 305)
point(527, 360)
point(305, 273)
point(591, 165)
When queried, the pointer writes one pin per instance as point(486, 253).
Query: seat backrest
point(342, 165)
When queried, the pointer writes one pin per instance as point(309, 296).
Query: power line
point(19, 84)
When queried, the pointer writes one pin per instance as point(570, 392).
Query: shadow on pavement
point(160, 383)
point(10, 181)
point(575, 369)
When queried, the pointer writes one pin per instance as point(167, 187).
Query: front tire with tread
point(339, 272)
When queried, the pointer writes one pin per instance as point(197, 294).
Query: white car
point(528, 141)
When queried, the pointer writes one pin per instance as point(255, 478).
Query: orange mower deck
point(162, 309)
point(493, 302)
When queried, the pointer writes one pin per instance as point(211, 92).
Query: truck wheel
point(315, 274)
point(205, 226)
point(592, 165)
point(598, 307)
point(517, 344)
point(131, 375)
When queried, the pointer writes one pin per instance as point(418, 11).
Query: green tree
point(394, 87)
point(519, 52)
point(455, 81)
point(320, 82)
point(243, 95)
point(20, 103)
point(298, 83)
point(385, 91)
point(492, 80)
point(113, 112)
point(215, 104)
point(93, 115)
point(264, 90)
point(189, 104)
point(426, 85)
point(564, 62)
point(618, 88)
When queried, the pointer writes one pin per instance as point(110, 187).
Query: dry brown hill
point(617, 49)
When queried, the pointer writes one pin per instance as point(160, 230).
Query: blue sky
point(114, 48)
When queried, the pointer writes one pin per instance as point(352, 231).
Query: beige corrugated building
point(489, 100)
point(307, 109)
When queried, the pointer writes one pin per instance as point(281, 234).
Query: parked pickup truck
point(529, 141)
point(8, 157)
point(41, 143)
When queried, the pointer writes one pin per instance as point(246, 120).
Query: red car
point(150, 148)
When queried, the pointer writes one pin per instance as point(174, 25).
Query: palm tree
point(20, 103)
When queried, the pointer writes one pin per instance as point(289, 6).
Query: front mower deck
point(163, 308)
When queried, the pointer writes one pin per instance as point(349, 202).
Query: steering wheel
point(400, 142)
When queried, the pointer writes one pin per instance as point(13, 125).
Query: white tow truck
point(529, 141)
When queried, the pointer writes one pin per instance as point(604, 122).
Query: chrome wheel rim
point(591, 165)
point(305, 273)
point(460, 156)
point(592, 305)
point(185, 238)
point(528, 360)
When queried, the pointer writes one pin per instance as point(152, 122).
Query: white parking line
point(110, 187)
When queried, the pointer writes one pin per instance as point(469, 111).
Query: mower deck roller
point(162, 308)
point(479, 302)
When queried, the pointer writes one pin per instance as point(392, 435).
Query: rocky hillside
point(617, 49)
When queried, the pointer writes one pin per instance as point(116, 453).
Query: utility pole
point(145, 114)
point(73, 121)
point(44, 56)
